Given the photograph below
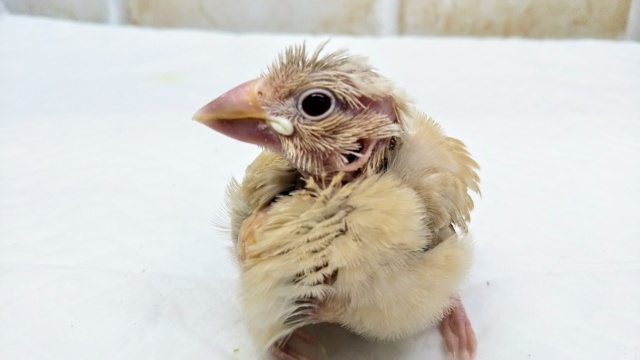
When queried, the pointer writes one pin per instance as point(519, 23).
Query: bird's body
point(377, 241)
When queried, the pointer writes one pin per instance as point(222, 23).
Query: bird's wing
point(268, 176)
point(348, 253)
point(439, 168)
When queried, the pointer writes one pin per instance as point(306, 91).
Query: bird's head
point(324, 113)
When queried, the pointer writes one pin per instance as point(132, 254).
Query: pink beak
point(239, 114)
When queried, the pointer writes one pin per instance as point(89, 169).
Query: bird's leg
point(281, 349)
point(458, 334)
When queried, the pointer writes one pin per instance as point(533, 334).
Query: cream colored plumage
point(383, 252)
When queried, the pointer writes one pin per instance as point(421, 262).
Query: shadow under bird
point(356, 211)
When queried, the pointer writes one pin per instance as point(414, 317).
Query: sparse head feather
point(349, 76)
point(365, 124)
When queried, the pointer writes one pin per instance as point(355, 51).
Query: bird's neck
point(324, 180)
point(377, 164)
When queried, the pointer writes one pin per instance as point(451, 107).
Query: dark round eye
point(316, 104)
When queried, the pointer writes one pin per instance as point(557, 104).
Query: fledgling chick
point(356, 212)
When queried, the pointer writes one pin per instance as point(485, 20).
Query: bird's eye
point(316, 104)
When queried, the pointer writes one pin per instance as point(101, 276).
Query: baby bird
point(356, 211)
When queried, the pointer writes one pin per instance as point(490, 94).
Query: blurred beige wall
point(523, 18)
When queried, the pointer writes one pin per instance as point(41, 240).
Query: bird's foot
point(286, 348)
point(458, 333)
point(282, 351)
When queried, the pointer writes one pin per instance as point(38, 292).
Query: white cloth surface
point(108, 191)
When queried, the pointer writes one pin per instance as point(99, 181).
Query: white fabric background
point(108, 191)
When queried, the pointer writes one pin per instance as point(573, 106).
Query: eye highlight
point(316, 104)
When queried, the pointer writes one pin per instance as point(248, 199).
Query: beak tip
point(201, 116)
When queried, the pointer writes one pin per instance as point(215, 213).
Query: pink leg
point(282, 351)
point(458, 334)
